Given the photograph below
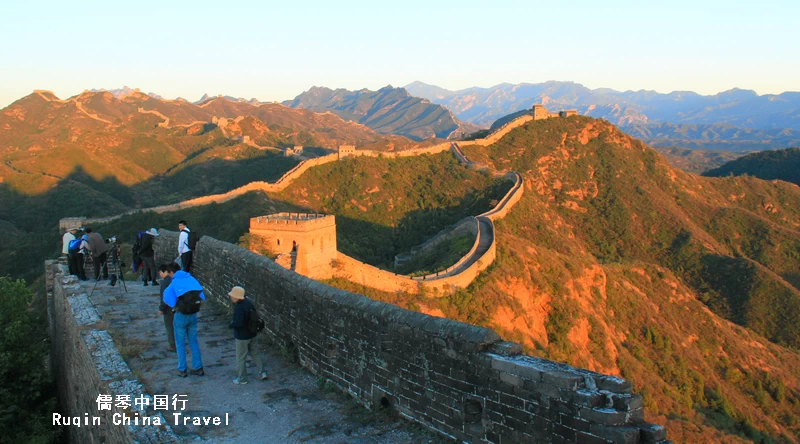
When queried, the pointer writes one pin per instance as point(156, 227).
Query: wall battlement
point(292, 221)
point(459, 380)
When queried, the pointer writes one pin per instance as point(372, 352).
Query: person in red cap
point(245, 340)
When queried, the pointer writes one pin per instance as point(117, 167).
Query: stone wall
point(497, 135)
point(86, 363)
point(457, 379)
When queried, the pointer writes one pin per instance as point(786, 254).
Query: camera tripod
point(116, 268)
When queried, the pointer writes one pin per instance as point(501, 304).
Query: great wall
point(461, 381)
point(459, 275)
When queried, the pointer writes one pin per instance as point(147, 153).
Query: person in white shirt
point(184, 251)
point(69, 236)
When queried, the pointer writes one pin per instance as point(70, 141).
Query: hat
point(72, 229)
point(237, 293)
point(152, 232)
point(85, 237)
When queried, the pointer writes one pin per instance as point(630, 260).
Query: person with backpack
point(147, 254)
point(69, 236)
point(187, 241)
point(245, 324)
point(77, 249)
point(185, 295)
point(97, 246)
point(136, 258)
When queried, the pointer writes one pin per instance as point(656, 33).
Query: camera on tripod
point(115, 260)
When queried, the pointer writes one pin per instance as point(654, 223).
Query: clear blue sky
point(275, 50)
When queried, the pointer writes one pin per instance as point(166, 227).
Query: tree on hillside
point(25, 384)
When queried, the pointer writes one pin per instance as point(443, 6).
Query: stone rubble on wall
point(107, 359)
point(82, 310)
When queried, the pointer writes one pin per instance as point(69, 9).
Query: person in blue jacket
point(180, 297)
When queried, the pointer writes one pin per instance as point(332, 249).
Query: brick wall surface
point(460, 380)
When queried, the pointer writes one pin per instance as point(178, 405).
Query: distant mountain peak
point(387, 110)
point(118, 92)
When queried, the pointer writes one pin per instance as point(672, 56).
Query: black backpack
point(137, 245)
point(189, 302)
point(193, 237)
point(254, 322)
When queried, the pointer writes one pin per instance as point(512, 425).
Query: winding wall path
point(461, 274)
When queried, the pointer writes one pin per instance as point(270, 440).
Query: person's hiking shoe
point(182, 373)
point(145, 283)
point(198, 372)
point(237, 381)
point(264, 376)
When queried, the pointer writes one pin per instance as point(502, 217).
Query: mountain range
point(663, 119)
point(387, 110)
point(612, 259)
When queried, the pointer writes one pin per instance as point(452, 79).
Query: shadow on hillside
point(79, 194)
point(31, 221)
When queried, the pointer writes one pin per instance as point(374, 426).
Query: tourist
point(245, 340)
point(166, 278)
point(69, 236)
point(184, 295)
point(146, 253)
point(184, 246)
point(97, 246)
point(78, 256)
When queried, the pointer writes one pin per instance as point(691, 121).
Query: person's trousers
point(70, 264)
point(243, 348)
point(185, 326)
point(148, 269)
point(186, 261)
point(76, 262)
point(100, 261)
point(168, 324)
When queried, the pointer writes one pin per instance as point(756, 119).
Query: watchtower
point(308, 238)
point(71, 222)
point(539, 112)
point(346, 150)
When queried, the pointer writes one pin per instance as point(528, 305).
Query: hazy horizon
point(275, 52)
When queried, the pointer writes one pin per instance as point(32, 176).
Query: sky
point(273, 51)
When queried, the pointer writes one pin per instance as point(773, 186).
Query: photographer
point(99, 251)
point(146, 253)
